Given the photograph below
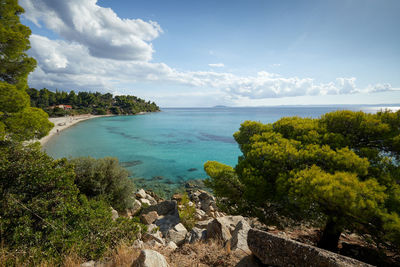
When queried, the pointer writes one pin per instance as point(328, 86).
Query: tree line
point(88, 102)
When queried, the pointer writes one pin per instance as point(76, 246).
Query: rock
point(177, 234)
point(203, 224)
point(88, 264)
point(141, 194)
point(167, 222)
point(136, 205)
point(145, 201)
point(156, 236)
point(138, 244)
point(149, 218)
point(281, 251)
point(150, 258)
point(166, 207)
point(239, 237)
point(200, 214)
point(196, 234)
point(221, 228)
point(151, 200)
point(114, 214)
point(171, 246)
point(177, 197)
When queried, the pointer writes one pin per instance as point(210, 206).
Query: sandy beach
point(62, 123)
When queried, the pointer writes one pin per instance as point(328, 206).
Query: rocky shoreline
point(237, 235)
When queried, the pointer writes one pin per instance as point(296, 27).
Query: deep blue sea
point(172, 145)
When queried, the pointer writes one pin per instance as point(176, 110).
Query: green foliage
point(87, 102)
point(15, 65)
point(18, 121)
point(42, 214)
point(343, 167)
point(104, 179)
point(187, 212)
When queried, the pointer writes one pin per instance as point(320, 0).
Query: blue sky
point(205, 53)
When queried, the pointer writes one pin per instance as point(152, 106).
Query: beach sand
point(62, 123)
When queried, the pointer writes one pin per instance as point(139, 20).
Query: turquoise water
point(172, 144)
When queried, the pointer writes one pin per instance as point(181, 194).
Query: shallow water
point(171, 146)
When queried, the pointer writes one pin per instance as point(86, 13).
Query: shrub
point(43, 216)
point(187, 212)
point(342, 169)
point(104, 179)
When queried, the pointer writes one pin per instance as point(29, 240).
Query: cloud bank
point(99, 29)
point(103, 52)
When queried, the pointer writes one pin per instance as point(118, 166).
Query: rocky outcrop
point(149, 218)
point(281, 251)
point(221, 228)
point(150, 258)
point(177, 234)
point(239, 237)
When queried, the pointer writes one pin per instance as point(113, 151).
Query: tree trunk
point(330, 237)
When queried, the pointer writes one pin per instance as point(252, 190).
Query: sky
point(219, 52)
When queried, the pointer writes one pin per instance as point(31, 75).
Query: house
point(64, 107)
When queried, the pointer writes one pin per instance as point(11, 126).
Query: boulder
point(151, 200)
point(114, 214)
point(221, 228)
point(167, 222)
point(88, 264)
point(141, 194)
point(196, 234)
point(167, 207)
point(150, 258)
point(177, 234)
point(239, 237)
point(145, 201)
point(217, 229)
point(149, 218)
point(153, 236)
point(281, 251)
point(171, 246)
point(203, 224)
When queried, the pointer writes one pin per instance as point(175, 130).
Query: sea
point(170, 147)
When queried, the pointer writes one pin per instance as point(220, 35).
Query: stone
point(196, 234)
point(151, 200)
point(239, 237)
point(145, 201)
point(200, 214)
point(167, 222)
point(217, 229)
point(275, 250)
point(156, 236)
point(167, 207)
point(150, 258)
point(141, 194)
point(138, 244)
point(203, 224)
point(171, 246)
point(149, 218)
point(88, 264)
point(114, 214)
point(177, 234)
point(177, 197)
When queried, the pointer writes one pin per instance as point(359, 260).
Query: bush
point(43, 216)
point(187, 212)
point(342, 169)
point(104, 179)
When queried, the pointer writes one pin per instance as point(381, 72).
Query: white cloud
point(216, 65)
point(99, 29)
point(66, 65)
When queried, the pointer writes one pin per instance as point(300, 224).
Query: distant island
point(60, 103)
point(220, 106)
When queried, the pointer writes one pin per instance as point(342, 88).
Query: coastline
point(62, 123)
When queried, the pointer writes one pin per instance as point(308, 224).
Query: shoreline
point(62, 123)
